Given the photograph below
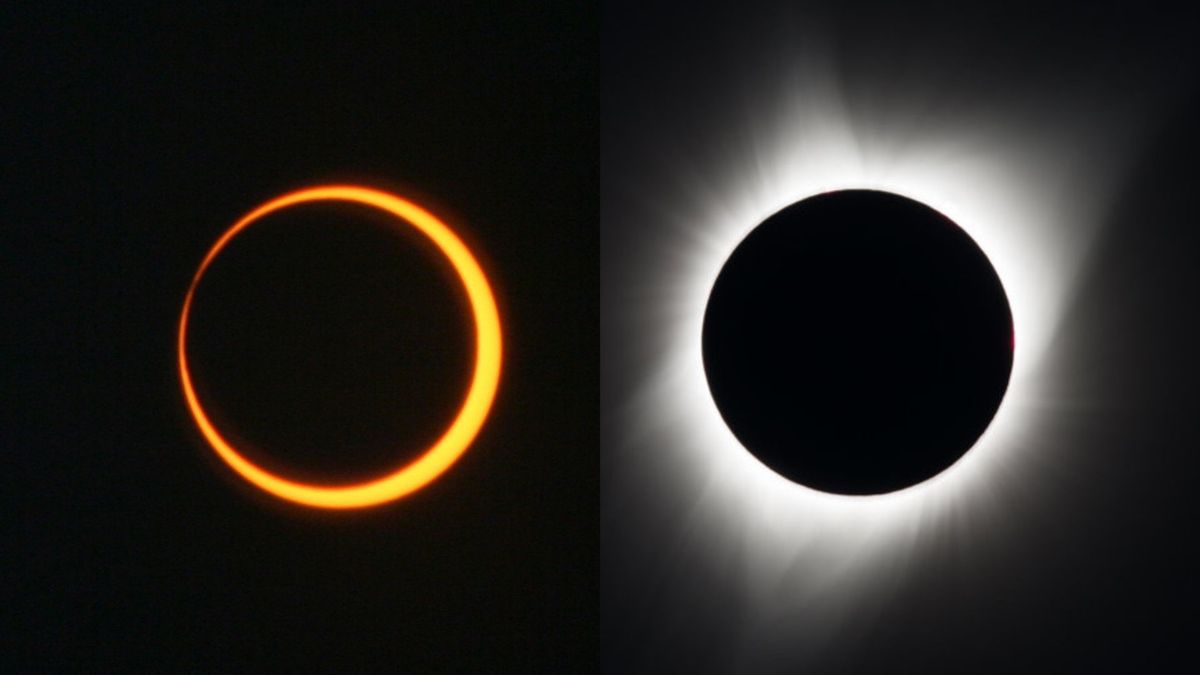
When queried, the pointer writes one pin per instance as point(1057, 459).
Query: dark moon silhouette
point(858, 342)
point(331, 343)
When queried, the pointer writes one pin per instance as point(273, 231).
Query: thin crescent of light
point(471, 416)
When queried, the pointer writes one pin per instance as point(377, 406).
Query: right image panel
point(899, 306)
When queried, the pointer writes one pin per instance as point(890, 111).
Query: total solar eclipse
point(858, 342)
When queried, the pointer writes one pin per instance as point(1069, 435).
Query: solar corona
point(461, 430)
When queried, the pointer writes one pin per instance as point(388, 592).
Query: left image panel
point(302, 340)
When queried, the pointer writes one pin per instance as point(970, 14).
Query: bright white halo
point(1025, 193)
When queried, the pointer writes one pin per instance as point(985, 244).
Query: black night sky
point(132, 140)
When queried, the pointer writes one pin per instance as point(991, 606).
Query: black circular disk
point(858, 342)
point(331, 343)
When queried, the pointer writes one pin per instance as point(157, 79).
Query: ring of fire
point(461, 432)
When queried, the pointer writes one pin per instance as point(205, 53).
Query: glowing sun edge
point(470, 418)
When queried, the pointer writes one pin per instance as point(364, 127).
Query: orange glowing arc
point(461, 432)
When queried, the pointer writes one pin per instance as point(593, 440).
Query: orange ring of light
point(447, 449)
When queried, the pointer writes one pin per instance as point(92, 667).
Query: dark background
point(131, 141)
point(1091, 568)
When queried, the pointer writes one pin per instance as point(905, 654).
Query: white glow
point(1025, 193)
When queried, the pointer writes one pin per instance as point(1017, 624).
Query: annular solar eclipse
point(459, 433)
point(857, 342)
